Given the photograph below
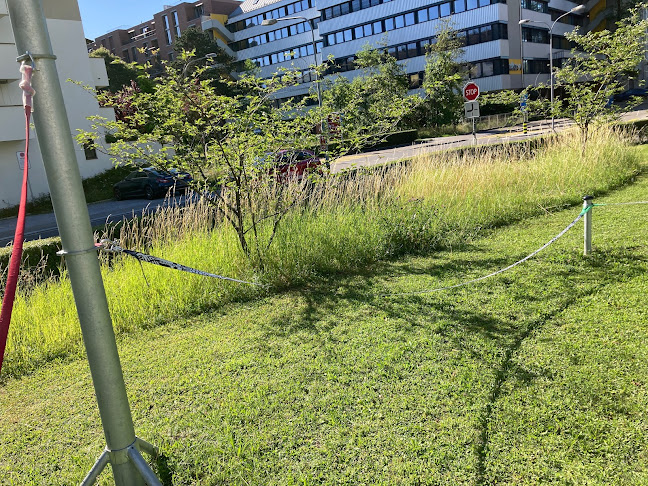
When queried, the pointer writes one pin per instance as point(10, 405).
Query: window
point(486, 33)
point(126, 56)
point(473, 36)
point(198, 10)
point(414, 81)
point(444, 9)
point(459, 6)
point(167, 30)
point(389, 25)
point(412, 49)
point(472, 4)
point(367, 30)
point(487, 68)
point(410, 19)
point(399, 21)
point(134, 52)
point(90, 151)
point(176, 23)
point(359, 32)
point(423, 15)
point(377, 27)
point(348, 35)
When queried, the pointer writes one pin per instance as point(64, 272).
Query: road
point(44, 225)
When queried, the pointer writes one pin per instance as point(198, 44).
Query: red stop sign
point(471, 91)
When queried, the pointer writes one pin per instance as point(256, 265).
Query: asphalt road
point(44, 225)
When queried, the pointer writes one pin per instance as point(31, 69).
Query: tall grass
point(345, 223)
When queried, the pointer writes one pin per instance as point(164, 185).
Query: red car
point(294, 164)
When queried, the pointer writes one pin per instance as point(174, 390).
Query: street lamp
point(577, 9)
point(312, 26)
point(211, 55)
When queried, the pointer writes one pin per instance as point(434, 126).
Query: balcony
point(9, 68)
point(12, 123)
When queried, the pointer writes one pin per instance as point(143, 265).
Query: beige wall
point(68, 43)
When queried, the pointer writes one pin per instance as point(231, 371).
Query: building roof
point(251, 5)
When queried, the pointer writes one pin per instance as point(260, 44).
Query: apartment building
point(138, 43)
point(68, 43)
point(496, 45)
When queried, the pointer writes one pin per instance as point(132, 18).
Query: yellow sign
point(515, 66)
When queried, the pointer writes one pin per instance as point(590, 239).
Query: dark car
point(151, 183)
point(626, 95)
point(293, 164)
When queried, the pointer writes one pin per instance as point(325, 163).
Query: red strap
point(16, 254)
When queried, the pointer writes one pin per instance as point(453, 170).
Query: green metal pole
point(57, 147)
point(587, 233)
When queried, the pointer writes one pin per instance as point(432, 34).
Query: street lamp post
point(312, 29)
point(210, 55)
point(576, 9)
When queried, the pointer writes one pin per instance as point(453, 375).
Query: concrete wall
point(68, 43)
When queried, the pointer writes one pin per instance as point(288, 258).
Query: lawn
point(539, 375)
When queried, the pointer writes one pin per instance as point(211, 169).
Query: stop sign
point(471, 91)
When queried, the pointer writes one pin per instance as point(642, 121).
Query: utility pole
point(54, 134)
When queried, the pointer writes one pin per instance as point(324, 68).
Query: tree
point(205, 52)
point(374, 102)
point(444, 75)
point(121, 74)
point(224, 141)
point(599, 68)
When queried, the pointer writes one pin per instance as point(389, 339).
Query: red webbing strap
point(16, 253)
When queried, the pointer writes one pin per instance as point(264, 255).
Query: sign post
point(471, 107)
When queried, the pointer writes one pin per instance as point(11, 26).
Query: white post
point(587, 204)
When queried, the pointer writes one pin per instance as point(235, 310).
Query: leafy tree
point(375, 101)
point(599, 68)
point(444, 75)
point(205, 53)
point(120, 73)
point(228, 143)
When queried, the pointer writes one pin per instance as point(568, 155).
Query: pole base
point(132, 454)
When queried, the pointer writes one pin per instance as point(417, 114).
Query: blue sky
point(100, 17)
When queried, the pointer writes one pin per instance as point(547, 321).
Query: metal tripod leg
point(131, 454)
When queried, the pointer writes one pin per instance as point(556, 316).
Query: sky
point(100, 17)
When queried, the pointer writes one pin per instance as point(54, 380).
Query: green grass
point(96, 188)
point(352, 223)
point(536, 376)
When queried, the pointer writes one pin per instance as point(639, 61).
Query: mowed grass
point(439, 201)
point(535, 376)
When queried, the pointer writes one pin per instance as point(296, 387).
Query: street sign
point(471, 91)
point(21, 160)
point(471, 109)
point(523, 102)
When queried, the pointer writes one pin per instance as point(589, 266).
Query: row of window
point(475, 35)
point(390, 23)
point(287, 55)
point(356, 5)
point(533, 34)
point(536, 5)
point(274, 35)
point(277, 13)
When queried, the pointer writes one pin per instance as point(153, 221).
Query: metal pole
point(551, 80)
point(319, 88)
point(587, 203)
point(54, 134)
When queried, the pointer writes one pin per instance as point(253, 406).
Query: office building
point(69, 46)
point(140, 42)
point(495, 43)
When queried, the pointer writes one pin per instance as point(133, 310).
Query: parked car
point(292, 164)
point(626, 95)
point(151, 183)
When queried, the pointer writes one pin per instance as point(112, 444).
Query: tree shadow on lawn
point(461, 315)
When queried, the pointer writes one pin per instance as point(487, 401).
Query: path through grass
point(537, 376)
